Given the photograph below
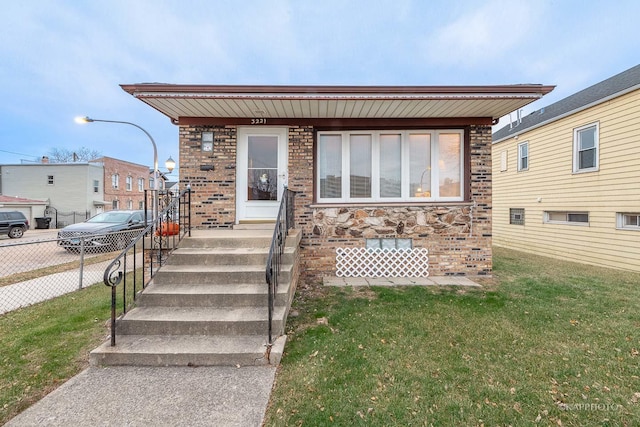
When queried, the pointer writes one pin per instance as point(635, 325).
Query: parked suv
point(13, 224)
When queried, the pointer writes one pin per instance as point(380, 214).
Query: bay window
point(390, 166)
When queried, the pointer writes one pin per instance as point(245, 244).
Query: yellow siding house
point(566, 178)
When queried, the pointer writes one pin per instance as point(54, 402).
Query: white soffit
point(176, 104)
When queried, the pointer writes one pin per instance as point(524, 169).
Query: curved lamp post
point(170, 163)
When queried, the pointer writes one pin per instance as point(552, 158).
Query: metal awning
point(335, 102)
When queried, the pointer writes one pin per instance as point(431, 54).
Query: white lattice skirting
point(363, 262)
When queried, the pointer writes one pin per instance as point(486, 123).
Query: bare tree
point(64, 155)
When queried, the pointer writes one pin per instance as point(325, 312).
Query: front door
point(261, 172)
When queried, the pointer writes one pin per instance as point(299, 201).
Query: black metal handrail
point(284, 222)
point(160, 237)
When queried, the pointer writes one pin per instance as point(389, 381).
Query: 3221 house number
point(261, 121)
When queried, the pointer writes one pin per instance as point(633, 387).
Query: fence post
point(81, 262)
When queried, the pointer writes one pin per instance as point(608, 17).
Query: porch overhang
point(215, 104)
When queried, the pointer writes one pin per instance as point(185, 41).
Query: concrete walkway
point(142, 396)
point(176, 396)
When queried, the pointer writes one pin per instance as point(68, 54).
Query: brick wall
point(458, 235)
point(124, 169)
point(212, 191)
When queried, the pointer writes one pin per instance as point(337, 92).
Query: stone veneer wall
point(213, 192)
point(458, 235)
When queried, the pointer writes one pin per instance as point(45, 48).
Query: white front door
point(261, 172)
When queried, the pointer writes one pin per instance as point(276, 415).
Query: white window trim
point(404, 164)
point(567, 222)
point(129, 183)
point(576, 147)
point(620, 223)
point(504, 161)
point(520, 145)
point(115, 181)
point(140, 184)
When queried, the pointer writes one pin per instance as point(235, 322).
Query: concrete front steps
point(208, 305)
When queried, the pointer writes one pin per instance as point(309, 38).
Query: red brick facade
point(126, 199)
point(457, 234)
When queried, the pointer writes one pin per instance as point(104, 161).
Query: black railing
point(284, 222)
point(149, 249)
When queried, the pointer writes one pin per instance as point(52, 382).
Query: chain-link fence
point(31, 272)
point(59, 219)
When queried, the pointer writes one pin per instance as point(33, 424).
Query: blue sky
point(65, 58)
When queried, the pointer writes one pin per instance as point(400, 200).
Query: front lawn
point(544, 343)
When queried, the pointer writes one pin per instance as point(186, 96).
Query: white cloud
point(482, 34)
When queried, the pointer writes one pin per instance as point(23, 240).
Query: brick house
point(385, 167)
point(124, 183)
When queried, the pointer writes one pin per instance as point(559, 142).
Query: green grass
point(44, 345)
point(545, 343)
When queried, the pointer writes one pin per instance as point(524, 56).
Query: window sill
point(389, 204)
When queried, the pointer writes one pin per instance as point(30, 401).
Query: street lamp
point(170, 163)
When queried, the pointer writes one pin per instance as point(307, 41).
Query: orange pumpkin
point(168, 229)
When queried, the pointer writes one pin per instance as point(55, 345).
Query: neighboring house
point(31, 208)
point(400, 167)
point(77, 191)
point(74, 190)
point(124, 183)
point(566, 178)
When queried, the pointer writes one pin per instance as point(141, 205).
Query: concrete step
point(225, 256)
point(188, 350)
point(210, 295)
point(228, 239)
point(201, 321)
point(212, 274)
point(259, 225)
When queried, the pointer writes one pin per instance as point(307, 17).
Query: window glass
point(360, 166)
point(391, 243)
point(516, 216)
point(420, 165)
point(390, 166)
point(632, 220)
point(449, 164)
point(567, 217)
point(330, 166)
point(586, 148)
point(262, 177)
point(523, 156)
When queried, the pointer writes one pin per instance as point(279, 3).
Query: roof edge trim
point(569, 113)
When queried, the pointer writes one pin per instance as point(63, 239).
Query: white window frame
point(621, 223)
point(129, 183)
point(140, 184)
point(567, 219)
point(405, 172)
point(521, 157)
point(50, 180)
point(130, 204)
point(115, 204)
point(115, 181)
point(576, 148)
point(96, 186)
